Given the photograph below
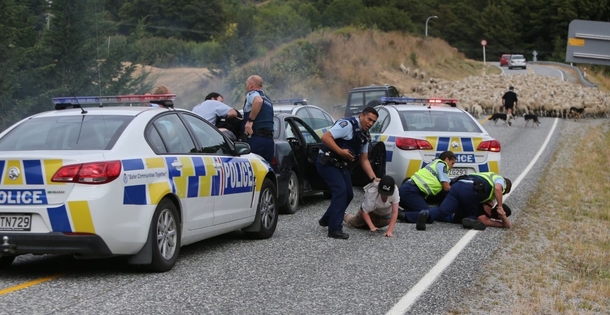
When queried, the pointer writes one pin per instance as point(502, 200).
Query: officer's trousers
point(263, 146)
point(411, 197)
point(461, 198)
point(340, 184)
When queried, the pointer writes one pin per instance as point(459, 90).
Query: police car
point(316, 117)
point(136, 181)
point(416, 130)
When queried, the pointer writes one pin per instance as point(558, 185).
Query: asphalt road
point(299, 270)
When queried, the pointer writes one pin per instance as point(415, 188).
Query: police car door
point(229, 178)
point(306, 152)
point(188, 175)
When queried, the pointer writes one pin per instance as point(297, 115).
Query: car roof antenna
point(82, 110)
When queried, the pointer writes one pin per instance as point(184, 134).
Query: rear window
point(438, 121)
point(518, 57)
point(66, 133)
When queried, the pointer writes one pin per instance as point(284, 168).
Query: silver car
point(516, 61)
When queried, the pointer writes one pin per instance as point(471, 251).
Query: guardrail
point(583, 79)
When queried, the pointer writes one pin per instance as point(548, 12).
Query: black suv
point(367, 96)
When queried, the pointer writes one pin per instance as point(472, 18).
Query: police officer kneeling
point(346, 141)
point(465, 196)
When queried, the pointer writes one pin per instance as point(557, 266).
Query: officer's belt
point(335, 162)
point(263, 132)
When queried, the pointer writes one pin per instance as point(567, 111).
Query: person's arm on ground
point(367, 219)
point(390, 231)
point(492, 223)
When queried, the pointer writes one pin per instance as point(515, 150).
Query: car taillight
point(412, 144)
point(274, 162)
point(490, 145)
point(89, 173)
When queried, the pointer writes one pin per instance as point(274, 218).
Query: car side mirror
point(242, 148)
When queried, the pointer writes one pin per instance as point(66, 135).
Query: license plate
point(455, 172)
point(15, 222)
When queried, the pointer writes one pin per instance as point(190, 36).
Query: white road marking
point(424, 283)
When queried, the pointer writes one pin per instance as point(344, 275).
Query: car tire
point(294, 193)
point(6, 261)
point(165, 234)
point(510, 68)
point(266, 212)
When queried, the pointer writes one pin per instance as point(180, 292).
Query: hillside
point(325, 65)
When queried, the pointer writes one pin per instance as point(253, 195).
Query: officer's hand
point(248, 129)
point(347, 154)
point(389, 234)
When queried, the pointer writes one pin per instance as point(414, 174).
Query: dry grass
point(557, 258)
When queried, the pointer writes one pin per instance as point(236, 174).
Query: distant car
point(504, 60)
point(134, 181)
point(296, 151)
point(516, 61)
point(414, 135)
point(314, 116)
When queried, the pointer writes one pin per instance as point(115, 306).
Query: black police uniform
point(261, 141)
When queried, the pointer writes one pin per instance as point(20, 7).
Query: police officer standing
point(346, 141)
point(258, 119)
point(465, 197)
point(430, 182)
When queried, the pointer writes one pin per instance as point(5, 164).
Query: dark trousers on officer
point(462, 197)
point(411, 197)
point(263, 146)
point(340, 184)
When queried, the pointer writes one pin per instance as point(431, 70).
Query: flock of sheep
point(541, 95)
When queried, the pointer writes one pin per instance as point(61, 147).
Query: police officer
point(465, 196)
point(258, 119)
point(345, 142)
point(431, 181)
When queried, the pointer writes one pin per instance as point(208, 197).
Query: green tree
point(184, 19)
point(79, 56)
point(18, 39)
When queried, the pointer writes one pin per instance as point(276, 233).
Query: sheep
point(477, 110)
point(404, 69)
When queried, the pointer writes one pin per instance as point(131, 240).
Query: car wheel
point(266, 213)
point(510, 68)
point(292, 201)
point(6, 261)
point(165, 233)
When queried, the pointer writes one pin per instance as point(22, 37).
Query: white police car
point(314, 116)
point(415, 131)
point(136, 181)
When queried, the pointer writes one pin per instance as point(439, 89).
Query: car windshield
point(429, 120)
point(66, 133)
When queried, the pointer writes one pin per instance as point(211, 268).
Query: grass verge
point(557, 258)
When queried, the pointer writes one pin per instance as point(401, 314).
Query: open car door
point(377, 157)
point(306, 149)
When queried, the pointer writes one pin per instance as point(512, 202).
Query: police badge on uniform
point(343, 124)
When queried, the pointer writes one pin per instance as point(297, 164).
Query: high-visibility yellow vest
point(490, 178)
point(426, 178)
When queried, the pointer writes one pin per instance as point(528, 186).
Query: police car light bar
point(162, 99)
point(293, 101)
point(411, 100)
